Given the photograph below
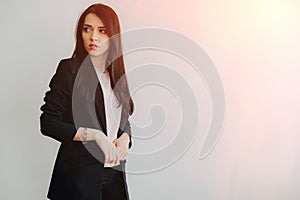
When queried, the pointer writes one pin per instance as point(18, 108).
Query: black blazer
point(78, 167)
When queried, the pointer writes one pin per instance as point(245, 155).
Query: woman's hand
point(122, 143)
point(111, 153)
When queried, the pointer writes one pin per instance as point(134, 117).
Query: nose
point(94, 36)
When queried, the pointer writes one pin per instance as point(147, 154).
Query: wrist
point(85, 134)
point(89, 134)
point(95, 134)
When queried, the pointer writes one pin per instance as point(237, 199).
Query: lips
point(93, 47)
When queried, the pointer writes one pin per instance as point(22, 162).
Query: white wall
point(254, 45)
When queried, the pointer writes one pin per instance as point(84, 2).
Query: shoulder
point(67, 66)
point(65, 73)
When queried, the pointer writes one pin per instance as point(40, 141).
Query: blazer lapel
point(87, 98)
point(100, 108)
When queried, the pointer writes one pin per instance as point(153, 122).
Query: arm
point(126, 132)
point(56, 102)
point(86, 134)
point(111, 153)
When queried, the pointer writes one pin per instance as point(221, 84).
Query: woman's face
point(94, 35)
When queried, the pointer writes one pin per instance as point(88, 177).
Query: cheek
point(106, 44)
point(106, 41)
point(84, 38)
point(85, 42)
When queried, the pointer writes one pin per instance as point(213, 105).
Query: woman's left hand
point(122, 143)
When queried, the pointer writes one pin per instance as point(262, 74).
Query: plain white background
point(254, 45)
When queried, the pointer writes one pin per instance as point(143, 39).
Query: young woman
point(87, 110)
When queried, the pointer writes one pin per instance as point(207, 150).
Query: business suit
point(78, 168)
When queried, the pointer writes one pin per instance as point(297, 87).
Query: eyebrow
point(91, 26)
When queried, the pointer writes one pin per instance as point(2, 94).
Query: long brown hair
point(115, 61)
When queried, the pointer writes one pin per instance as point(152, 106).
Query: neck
point(99, 62)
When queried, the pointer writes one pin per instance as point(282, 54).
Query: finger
point(106, 157)
point(117, 160)
point(118, 155)
point(109, 157)
point(123, 155)
point(113, 157)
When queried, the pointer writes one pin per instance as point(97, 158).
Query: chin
point(93, 54)
point(96, 53)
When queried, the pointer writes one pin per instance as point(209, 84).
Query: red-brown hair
point(115, 61)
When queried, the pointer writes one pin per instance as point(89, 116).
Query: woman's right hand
point(111, 152)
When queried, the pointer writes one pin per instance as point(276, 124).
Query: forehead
point(93, 20)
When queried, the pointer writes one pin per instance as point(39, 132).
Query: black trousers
point(113, 185)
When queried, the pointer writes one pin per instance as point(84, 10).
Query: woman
point(87, 110)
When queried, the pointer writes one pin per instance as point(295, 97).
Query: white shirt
point(113, 114)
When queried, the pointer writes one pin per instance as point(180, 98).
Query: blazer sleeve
point(56, 102)
point(125, 127)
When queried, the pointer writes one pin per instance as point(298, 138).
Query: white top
point(113, 114)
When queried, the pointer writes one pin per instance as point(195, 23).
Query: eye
point(102, 31)
point(86, 29)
